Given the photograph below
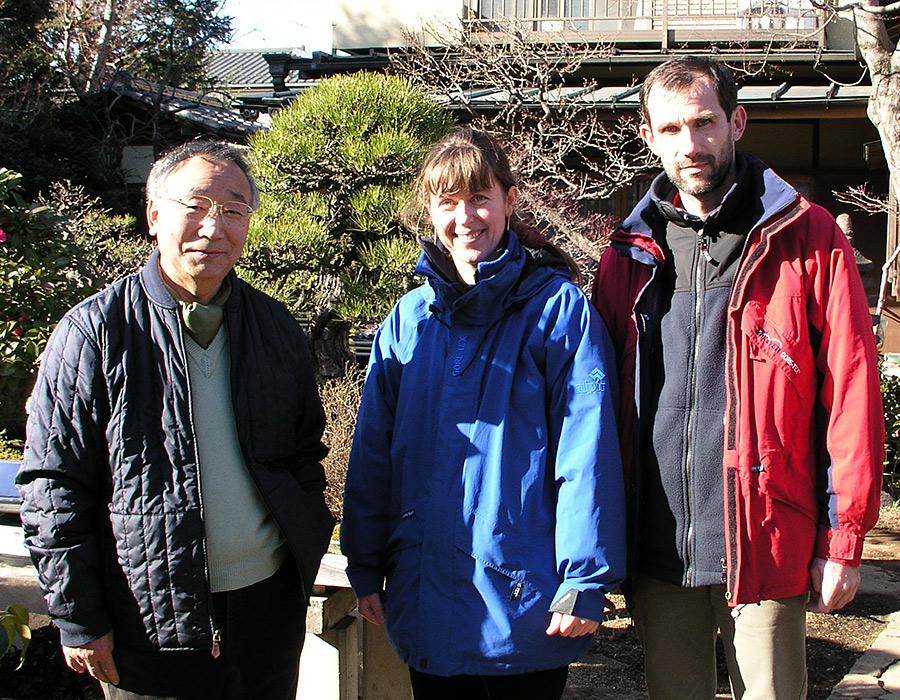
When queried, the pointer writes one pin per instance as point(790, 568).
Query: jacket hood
point(635, 234)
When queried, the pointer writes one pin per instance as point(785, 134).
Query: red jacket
point(804, 429)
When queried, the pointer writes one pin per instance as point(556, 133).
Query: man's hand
point(371, 609)
point(95, 658)
point(833, 585)
point(570, 626)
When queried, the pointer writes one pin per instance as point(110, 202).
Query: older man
point(752, 414)
point(171, 486)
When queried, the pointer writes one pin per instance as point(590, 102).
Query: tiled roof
point(236, 70)
point(210, 113)
point(613, 96)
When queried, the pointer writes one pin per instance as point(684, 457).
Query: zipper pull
point(516, 591)
point(217, 637)
point(704, 250)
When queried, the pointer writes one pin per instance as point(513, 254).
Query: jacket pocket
point(777, 378)
point(786, 484)
point(403, 581)
point(778, 339)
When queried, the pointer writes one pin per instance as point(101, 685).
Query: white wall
point(379, 23)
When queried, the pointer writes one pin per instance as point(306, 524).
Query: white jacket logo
point(591, 387)
point(775, 344)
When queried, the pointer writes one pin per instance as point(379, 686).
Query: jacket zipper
point(689, 453)
point(737, 292)
point(216, 633)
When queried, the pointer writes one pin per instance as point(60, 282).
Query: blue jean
point(262, 626)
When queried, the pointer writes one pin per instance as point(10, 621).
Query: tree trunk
point(104, 45)
point(330, 346)
point(882, 58)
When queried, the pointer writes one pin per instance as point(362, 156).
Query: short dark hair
point(680, 73)
point(214, 151)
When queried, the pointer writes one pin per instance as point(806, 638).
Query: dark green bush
point(890, 394)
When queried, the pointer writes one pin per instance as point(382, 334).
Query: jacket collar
point(634, 238)
point(502, 282)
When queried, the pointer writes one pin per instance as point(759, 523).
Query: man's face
point(196, 254)
point(694, 139)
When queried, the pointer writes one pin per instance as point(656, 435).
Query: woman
point(483, 507)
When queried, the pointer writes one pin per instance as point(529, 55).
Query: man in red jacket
point(751, 423)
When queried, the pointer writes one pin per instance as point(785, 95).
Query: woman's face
point(471, 224)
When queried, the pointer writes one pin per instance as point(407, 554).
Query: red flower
point(2, 236)
point(17, 332)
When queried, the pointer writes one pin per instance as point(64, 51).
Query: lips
point(470, 237)
point(694, 165)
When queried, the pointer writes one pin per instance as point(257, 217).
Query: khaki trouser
point(765, 643)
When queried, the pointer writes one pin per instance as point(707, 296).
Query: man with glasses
point(171, 486)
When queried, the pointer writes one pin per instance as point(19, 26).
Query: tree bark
point(104, 44)
point(882, 58)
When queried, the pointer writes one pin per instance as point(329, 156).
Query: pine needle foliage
point(335, 171)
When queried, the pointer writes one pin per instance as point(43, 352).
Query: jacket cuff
point(75, 635)
point(589, 604)
point(839, 545)
point(365, 581)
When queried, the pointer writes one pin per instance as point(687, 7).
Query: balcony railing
point(636, 20)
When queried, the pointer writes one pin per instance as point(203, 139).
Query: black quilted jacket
point(112, 508)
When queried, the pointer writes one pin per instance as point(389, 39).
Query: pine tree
point(335, 170)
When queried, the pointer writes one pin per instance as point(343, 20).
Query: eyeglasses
point(197, 207)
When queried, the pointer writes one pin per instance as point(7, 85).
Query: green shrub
point(40, 277)
point(335, 170)
point(11, 448)
point(110, 246)
point(14, 623)
point(890, 395)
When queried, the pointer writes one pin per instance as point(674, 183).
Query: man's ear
point(738, 122)
point(647, 134)
point(152, 216)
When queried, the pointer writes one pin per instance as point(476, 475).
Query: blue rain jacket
point(485, 483)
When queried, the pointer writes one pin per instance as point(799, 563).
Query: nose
point(464, 211)
point(688, 140)
point(211, 224)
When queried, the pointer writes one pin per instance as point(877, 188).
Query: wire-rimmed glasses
point(197, 207)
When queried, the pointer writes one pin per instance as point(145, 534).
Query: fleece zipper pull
point(217, 638)
point(703, 242)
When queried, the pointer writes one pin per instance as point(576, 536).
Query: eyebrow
point(232, 193)
point(706, 114)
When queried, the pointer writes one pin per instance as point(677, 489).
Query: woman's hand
point(371, 609)
point(570, 626)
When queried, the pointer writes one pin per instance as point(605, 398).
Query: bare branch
point(864, 200)
point(891, 8)
point(562, 149)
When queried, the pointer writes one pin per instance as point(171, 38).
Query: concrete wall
point(379, 23)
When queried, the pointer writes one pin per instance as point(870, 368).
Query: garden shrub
point(53, 254)
point(890, 395)
point(110, 246)
point(340, 397)
point(40, 279)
